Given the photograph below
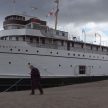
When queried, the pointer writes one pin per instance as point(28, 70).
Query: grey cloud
point(77, 11)
point(84, 11)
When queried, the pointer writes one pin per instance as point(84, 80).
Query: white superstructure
point(32, 41)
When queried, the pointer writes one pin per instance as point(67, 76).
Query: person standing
point(35, 80)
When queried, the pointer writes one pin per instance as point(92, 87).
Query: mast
point(14, 3)
point(56, 13)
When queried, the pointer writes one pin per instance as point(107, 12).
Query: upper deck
point(16, 25)
point(37, 34)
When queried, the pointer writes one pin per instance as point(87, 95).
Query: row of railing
point(75, 49)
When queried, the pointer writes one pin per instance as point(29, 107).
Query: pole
point(14, 3)
point(56, 14)
point(83, 31)
point(99, 36)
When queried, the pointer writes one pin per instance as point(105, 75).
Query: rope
point(12, 85)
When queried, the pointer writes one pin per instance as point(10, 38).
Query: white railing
point(55, 46)
point(59, 47)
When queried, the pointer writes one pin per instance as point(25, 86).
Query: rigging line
point(45, 70)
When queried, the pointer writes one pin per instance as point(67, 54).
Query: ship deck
point(87, 95)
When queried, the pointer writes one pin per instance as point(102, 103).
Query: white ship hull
point(14, 57)
point(32, 41)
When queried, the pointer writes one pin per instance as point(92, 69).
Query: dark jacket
point(35, 74)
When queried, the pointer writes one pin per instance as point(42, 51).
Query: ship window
point(37, 51)
point(102, 48)
point(23, 38)
point(57, 32)
point(97, 48)
point(68, 45)
point(82, 69)
point(31, 39)
point(36, 26)
point(70, 65)
point(51, 52)
point(72, 44)
point(37, 40)
point(62, 43)
point(1, 38)
point(82, 45)
point(57, 52)
point(17, 39)
point(91, 47)
point(10, 38)
point(45, 31)
point(63, 34)
point(43, 41)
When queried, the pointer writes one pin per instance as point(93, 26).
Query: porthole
point(37, 51)
point(9, 62)
point(103, 57)
point(73, 54)
point(26, 50)
point(78, 54)
point(11, 49)
point(70, 65)
point(51, 52)
point(59, 65)
point(28, 63)
point(18, 49)
point(83, 55)
point(57, 52)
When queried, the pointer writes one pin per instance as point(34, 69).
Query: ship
point(58, 58)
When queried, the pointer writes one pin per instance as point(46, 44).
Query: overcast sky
point(74, 15)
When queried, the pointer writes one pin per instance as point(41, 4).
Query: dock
point(86, 95)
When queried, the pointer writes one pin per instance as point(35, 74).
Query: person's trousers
point(36, 86)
